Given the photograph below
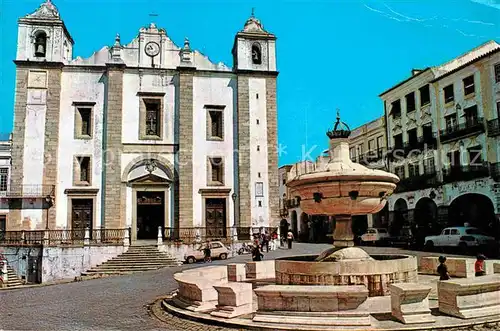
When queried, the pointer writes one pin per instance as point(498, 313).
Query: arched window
point(40, 44)
point(256, 54)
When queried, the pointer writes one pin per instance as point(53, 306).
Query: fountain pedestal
point(343, 236)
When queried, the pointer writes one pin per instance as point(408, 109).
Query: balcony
point(470, 127)
point(292, 203)
point(463, 173)
point(495, 171)
point(29, 191)
point(494, 127)
point(417, 183)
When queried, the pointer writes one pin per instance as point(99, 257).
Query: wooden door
point(82, 211)
point(215, 218)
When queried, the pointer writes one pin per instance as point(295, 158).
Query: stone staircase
point(12, 278)
point(135, 259)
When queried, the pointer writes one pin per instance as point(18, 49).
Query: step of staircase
point(136, 259)
point(12, 278)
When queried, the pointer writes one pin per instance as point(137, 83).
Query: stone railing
point(74, 237)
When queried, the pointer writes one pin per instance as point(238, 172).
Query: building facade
point(443, 129)
point(143, 134)
point(5, 145)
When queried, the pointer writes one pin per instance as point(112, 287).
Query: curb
point(249, 325)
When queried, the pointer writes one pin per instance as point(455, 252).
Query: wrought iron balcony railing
point(202, 234)
point(462, 173)
point(494, 127)
point(28, 191)
point(417, 182)
point(457, 131)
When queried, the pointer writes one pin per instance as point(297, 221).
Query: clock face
point(152, 48)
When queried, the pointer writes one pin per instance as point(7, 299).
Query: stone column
point(185, 154)
point(112, 148)
point(370, 220)
point(342, 235)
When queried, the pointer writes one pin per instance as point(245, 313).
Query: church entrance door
point(150, 213)
point(215, 218)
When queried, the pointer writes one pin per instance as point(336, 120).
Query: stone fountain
point(342, 188)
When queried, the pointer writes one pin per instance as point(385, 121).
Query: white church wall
point(258, 152)
point(211, 91)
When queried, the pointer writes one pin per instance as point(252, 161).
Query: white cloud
point(490, 3)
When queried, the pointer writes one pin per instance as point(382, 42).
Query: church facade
point(143, 134)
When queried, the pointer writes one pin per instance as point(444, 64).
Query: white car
point(374, 235)
point(217, 250)
point(461, 236)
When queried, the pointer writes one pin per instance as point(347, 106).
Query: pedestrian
point(289, 239)
point(265, 242)
point(256, 254)
point(479, 265)
point(442, 269)
point(208, 253)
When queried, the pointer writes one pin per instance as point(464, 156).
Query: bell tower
point(254, 48)
point(42, 36)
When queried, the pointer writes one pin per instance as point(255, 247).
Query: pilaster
point(112, 145)
point(184, 190)
point(243, 152)
point(272, 151)
point(16, 176)
point(50, 155)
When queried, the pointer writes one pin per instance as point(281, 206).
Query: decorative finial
point(186, 43)
point(340, 129)
point(253, 12)
point(117, 39)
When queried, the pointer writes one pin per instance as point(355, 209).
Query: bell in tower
point(40, 44)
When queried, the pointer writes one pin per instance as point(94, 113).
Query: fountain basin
point(375, 274)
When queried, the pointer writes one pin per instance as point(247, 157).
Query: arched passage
point(304, 227)
point(425, 219)
point(475, 209)
point(400, 216)
point(293, 218)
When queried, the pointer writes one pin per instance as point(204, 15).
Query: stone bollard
point(410, 303)
point(126, 239)
point(234, 299)
point(5, 274)
point(236, 272)
point(160, 236)
point(86, 239)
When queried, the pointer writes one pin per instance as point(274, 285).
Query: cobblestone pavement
point(118, 303)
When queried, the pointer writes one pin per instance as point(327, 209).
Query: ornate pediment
point(47, 10)
point(397, 129)
point(150, 179)
point(411, 123)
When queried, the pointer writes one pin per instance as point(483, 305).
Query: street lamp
point(49, 201)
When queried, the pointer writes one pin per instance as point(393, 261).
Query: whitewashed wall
point(258, 158)
point(79, 87)
point(133, 83)
point(211, 91)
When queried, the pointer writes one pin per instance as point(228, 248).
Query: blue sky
point(331, 54)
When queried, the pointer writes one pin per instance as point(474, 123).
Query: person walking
point(208, 254)
point(289, 239)
point(479, 265)
point(256, 254)
point(442, 269)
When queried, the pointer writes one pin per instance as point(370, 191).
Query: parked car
point(374, 235)
point(405, 238)
point(461, 236)
point(217, 251)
